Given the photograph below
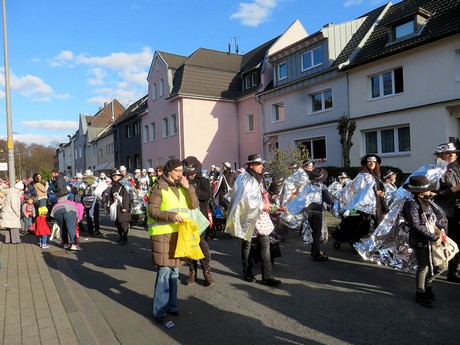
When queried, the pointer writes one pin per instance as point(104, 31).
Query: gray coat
point(10, 216)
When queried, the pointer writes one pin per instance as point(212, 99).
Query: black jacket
point(60, 186)
point(203, 192)
point(419, 235)
point(445, 198)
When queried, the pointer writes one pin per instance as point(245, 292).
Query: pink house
point(203, 105)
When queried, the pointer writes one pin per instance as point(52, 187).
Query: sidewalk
point(38, 302)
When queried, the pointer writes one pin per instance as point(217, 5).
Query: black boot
point(429, 293)
point(422, 299)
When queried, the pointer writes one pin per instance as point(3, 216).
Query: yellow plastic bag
point(188, 241)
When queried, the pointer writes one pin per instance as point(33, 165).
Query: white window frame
point(146, 134)
point(403, 25)
point(381, 80)
point(162, 87)
point(311, 149)
point(277, 115)
point(136, 128)
point(249, 123)
point(165, 127)
point(396, 141)
point(311, 54)
point(323, 101)
point(278, 70)
point(174, 128)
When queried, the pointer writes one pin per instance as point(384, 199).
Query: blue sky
point(69, 57)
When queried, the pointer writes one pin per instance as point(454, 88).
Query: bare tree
point(346, 129)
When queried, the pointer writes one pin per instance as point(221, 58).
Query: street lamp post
point(10, 144)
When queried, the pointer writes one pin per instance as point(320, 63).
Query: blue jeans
point(165, 291)
point(67, 221)
point(43, 240)
point(27, 223)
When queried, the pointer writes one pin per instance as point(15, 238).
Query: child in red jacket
point(42, 230)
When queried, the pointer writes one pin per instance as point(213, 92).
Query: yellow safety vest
point(170, 203)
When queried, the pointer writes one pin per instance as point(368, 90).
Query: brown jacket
point(164, 246)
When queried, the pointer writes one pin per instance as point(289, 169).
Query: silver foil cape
point(245, 207)
point(138, 202)
point(294, 183)
point(358, 195)
point(388, 244)
point(336, 189)
point(294, 217)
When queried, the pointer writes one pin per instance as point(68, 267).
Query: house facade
point(404, 84)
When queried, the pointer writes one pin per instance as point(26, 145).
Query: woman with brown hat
point(448, 198)
point(418, 213)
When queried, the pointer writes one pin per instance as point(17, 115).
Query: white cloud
point(119, 61)
point(40, 139)
point(64, 58)
point(255, 13)
point(350, 3)
point(28, 86)
point(99, 75)
point(53, 125)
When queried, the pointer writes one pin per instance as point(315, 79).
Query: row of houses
point(395, 71)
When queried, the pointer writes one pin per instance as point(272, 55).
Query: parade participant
point(336, 187)
point(59, 185)
point(171, 198)
point(418, 213)
point(315, 211)
point(248, 217)
point(308, 165)
point(151, 175)
point(294, 184)
point(389, 180)
point(67, 214)
point(192, 171)
point(10, 216)
point(118, 194)
point(143, 183)
point(214, 173)
point(90, 201)
point(41, 189)
point(225, 182)
point(448, 198)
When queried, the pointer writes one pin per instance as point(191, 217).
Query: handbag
point(443, 250)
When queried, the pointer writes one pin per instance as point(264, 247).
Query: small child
point(28, 213)
point(42, 230)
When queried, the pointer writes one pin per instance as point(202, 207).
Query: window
point(149, 163)
point(272, 146)
point(457, 64)
point(248, 82)
point(404, 29)
point(162, 87)
point(115, 134)
point(136, 128)
point(387, 84)
point(146, 134)
point(388, 140)
point(249, 123)
point(173, 124)
point(101, 152)
point(153, 130)
point(321, 101)
point(165, 129)
point(154, 91)
point(128, 131)
point(137, 160)
point(130, 162)
point(282, 71)
point(278, 112)
point(316, 147)
point(312, 58)
point(251, 80)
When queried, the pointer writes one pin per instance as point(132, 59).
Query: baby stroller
point(351, 229)
point(218, 220)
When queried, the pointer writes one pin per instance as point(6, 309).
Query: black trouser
point(424, 276)
point(206, 261)
point(248, 263)
point(316, 222)
point(92, 226)
point(123, 229)
point(453, 230)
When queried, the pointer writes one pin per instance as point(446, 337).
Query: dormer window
point(282, 71)
point(409, 25)
point(312, 58)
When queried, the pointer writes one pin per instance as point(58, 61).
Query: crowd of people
point(258, 206)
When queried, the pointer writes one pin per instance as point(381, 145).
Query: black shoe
point(97, 234)
point(429, 293)
point(453, 277)
point(422, 299)
point(159, 319)
point(320, 257)
point(173, 313)
point(271, 282)
point(249, 278)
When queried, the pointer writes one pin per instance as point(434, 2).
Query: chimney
point(106, 104)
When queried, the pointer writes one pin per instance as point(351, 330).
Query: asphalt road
point(342, 301)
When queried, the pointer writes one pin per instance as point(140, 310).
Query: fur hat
point(419, 184)
point(171, 165)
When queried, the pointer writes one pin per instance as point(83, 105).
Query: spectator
point(10, 217)
point(59, 185)
point(119, 194)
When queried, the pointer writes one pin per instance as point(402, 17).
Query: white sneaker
point(75, 247)
point(45, 246)
point(66, 246)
